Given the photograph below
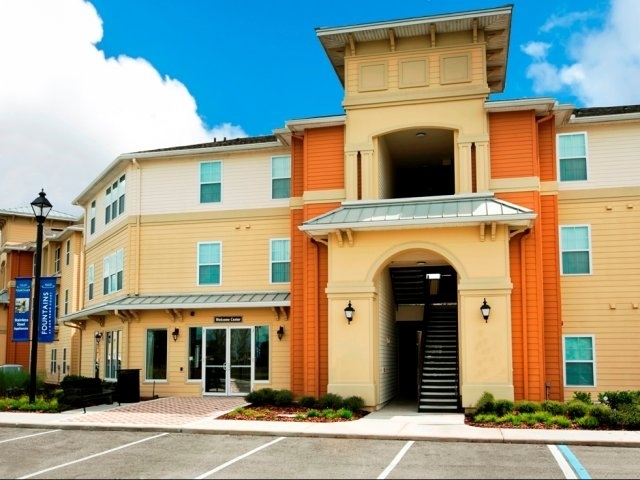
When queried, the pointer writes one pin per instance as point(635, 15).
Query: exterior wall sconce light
point(348, 312)
point(175, 334)
point(485, 309)
point(280, 332)
point(98, 337)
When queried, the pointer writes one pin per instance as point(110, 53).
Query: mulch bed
point(285, 414)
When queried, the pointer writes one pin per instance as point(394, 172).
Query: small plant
point(553, 406)
point(283, 398)
point(588, 422)
point(486, 403)
point(344, 413)
point(502, 407)
point(331, 400)
point(560, 421)
point(525, 406)
point(584, 397)
point(313, 413)
point(307, 401)
point(485, 418)
point(354, 403)
point(576, 409)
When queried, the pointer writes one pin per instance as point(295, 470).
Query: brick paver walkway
point(163, 411)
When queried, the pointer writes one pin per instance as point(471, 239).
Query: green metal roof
point(444, 211)
point(187, 301)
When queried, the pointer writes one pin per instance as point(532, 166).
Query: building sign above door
point(227, 319)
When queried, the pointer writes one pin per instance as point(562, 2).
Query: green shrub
point(560, 421)
point(502, 407)
point(313, 413)
point(307, 401)
point(541, 416)
point(328, 413)
point(526, 406)
point(263, 396)
point(576, 409)
point(554, 407)
point(485, 418)
point(588, 422)
point(486, 403)
point(14, 384)
point(330, 400)
point(628, 417)
point(344, 413)
point(603, 414)
point(617, 400)
point(353, 403)
point(283, 398)
point(584, 397)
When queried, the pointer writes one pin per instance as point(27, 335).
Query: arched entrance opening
point(424, 289)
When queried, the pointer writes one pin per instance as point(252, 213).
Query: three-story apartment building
point(428, 242)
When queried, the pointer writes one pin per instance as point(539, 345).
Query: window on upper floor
point(211, 182)
point(90, 281)
point(67, 253)
point(572, 157)
point(579, 361)
point(281, 177)
point(209, 263)
point(56, 260)
point(280, 260)
point(114, 200)
point(575, 248)
point(112, 272)
point(92, 218)
point(66, 302)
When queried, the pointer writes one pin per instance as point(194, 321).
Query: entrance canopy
point(424, 212)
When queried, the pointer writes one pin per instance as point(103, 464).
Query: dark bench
point(85, 391)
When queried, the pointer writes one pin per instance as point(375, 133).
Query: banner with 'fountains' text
point(47, 310)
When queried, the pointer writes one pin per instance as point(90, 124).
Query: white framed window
point(112, 272)
point(114, 200)
point(90, 281)
point(572, 157)
point(53, 364)
point(156, 355)
point(92, 218)
point(280, 260)
point(56, 260)
point(209, 263)
point(579, 360)
point(64, 361)
point(281, 176)
point(575, 250)
point(67, 254)
point(66, 301)
point(211, 182)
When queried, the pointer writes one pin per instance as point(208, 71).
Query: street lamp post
point(41, 208)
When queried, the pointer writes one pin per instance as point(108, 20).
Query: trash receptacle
point(128, 386)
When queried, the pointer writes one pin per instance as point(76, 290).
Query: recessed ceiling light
point(420, 134)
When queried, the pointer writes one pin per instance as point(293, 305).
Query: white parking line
point(93, 456)
point(562, 462)
point(29, 436)
point(396, 460)
point(245, 455)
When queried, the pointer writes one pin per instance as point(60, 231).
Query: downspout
point(136, 164)
point(316, 314)
point(523, 290)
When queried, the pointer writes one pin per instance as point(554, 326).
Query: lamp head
point(348, 312)
point(485, 309)
point(41, 207)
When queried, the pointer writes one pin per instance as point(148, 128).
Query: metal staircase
point(438, 386)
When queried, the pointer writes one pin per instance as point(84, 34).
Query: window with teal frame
point(280, 260)
point(575, 248)
point(281, 177)
point(579, 361)
point(261, 370)
point(209, 266)
point(211, 182)
point(572, 156)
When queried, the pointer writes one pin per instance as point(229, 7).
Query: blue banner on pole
point(22, 310)
point(46, 325)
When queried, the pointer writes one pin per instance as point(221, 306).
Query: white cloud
point(67, 111)
point(603, 62)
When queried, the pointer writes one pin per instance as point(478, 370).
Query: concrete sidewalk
point(200, 415)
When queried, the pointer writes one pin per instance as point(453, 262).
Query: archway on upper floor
point(417, 162)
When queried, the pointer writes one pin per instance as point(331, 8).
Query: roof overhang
point(424, 212)
point(495, 22)
point(133, 303)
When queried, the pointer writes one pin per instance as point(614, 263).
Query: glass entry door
point(227, 354)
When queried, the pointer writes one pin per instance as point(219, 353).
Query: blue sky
point(86, 80)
